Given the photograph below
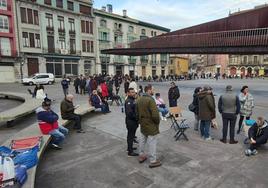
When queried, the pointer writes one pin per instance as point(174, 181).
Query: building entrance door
point(33, 66)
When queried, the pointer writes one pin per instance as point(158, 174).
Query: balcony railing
point(132, 61)
point(72, 32)
point(163, 62)
point(61, 30)
point(50, 28)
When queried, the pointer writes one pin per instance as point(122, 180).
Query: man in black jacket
point(173, 95)
point(131, 121)
point(258, 135)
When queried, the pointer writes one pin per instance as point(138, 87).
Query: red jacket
point(47, 120)
point(104, 90)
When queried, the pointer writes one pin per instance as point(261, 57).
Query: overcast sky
point(177, 14)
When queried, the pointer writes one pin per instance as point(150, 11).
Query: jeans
point(58, 135)
point(151, 141)
point(228, 119)
point(65, 91)
point(204, 128)
point(164, 111)
point(172, 102)
point(196, 122)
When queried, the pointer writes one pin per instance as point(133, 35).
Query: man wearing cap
point(48, 123)
point(229, 107)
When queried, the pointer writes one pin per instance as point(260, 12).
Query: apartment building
point(56, 36)
point(118, 31)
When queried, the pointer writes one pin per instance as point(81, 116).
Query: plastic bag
point(7, 171)
point(28, 158)
point(21, 174)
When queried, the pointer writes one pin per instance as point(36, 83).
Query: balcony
point(8, 53)
point(118, 32)
point(50, 28)
point(118, 60)
point(144, 61)
point(163, 62)
point(72, 32)
point(61, 30)
point(132, 60)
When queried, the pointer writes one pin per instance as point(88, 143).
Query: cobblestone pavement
point(98, 159)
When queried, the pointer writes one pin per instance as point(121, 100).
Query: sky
point(178, 14)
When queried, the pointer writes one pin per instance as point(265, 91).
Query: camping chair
point(178, 123)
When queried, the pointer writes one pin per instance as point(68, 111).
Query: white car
point(39, 78)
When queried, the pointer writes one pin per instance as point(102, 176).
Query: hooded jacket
point(47, 120)
point(260, 134)
point(206, 106)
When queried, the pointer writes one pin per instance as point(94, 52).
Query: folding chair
point(178, 123)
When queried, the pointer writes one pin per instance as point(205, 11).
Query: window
point(72, 46)
point(62, 43)
point(70, 5)
point(61, 22)
point(152, 33)
point(245, 59)
point(85, 9)
point(37, 41)
point(71, 22)
point(47, 2)
point(4, 25)
point(87, 27)
point(255, 59)
point(25, 39)
point(91, 27)
point(29, 16)
point(50, 44)
point(103, 23)
point(3, 4)
point(23, 15)
point(155, 33)
point(83, 29)
point(32, 41)
point(59, 4)
point(104, 36)
point(143, 32)
point(87, 46)
point(49, 18)
point(36, 20)
point(5, 46)
point(54, 68)
point(130, 29)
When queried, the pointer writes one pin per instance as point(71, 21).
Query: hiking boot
point(155, 164)
point(142, 158)
point(55, 146)
point(223, 141)
point(132, 154)
point(80, 131)
point(233, 142)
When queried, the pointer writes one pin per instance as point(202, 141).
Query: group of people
point(229, 106)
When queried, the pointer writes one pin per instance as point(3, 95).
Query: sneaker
point(55, 146)
point(142, 158)
point(233, 142)
point(209, 138)
point(81, 131)
point(223, 141)
point(132, 154)
point(135, 141)
point(254, 152)
point(162, 118)
point(134, 148)
point(165, 119)
point(155, 164)
point(248, 152)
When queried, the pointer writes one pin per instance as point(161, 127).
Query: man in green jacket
point(149, 119)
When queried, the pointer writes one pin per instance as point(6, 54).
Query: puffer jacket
point(260, 134)
point(206, 106)
point(247, 104)
point(47, 120)
point(148, 115)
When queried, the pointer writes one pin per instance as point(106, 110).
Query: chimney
point(103, 8)
point(124, 13)
point(110, 8)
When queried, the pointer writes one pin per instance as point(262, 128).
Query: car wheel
point(30, 83)
point(49, 82)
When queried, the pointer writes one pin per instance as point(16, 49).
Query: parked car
point(39, 78)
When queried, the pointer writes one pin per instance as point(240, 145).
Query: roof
point(130, 20)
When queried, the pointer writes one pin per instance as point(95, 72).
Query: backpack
point(191, 107)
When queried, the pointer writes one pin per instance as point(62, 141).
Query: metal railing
point(248, 37)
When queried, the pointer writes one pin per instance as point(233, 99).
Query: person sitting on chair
point(67, 112)
point(48, 123)
point(96, 101)
point(161, 106)
point(258, 135)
